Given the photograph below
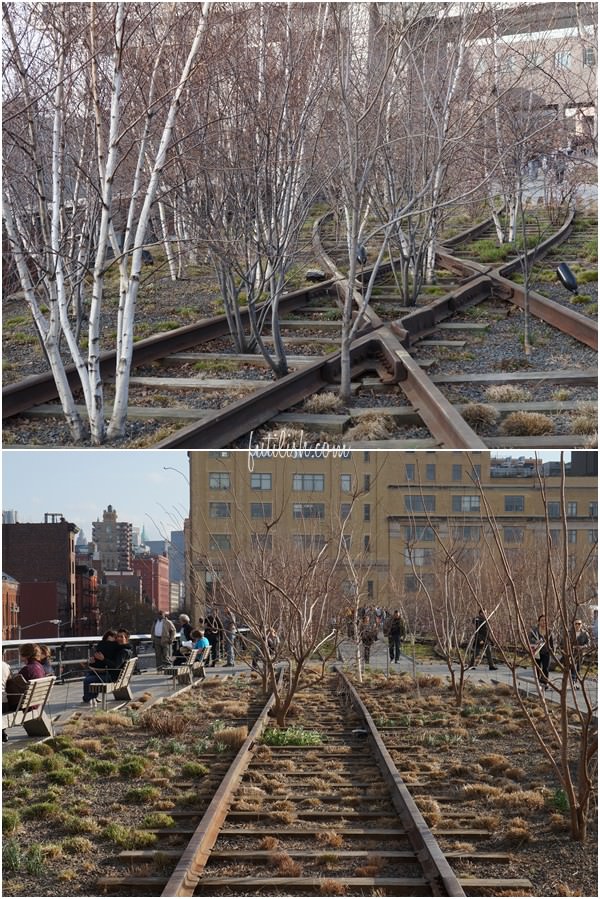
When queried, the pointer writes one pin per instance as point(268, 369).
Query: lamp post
point(55, 621)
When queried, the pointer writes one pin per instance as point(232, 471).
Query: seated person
point(46, 660)
point(100, 665)
point(201, 642)
point(31, 670)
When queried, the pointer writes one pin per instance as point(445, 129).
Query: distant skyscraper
point(113, 540)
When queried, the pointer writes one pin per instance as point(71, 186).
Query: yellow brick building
point(392, 503)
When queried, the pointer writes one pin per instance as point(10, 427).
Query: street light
point(55, 621)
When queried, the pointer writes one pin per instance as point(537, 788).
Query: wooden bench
point(198, 668)
point(30, 712)
point(185, 670)
point(120, 687)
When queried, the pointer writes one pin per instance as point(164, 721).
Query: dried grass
point(517, 832)
point(234, 737)
point(373, 866)
point(321, 403)
point(330, 838)
point(431, 811)
point(479, 415)
point(585, 420)
point(507, 393)
point(269, 843)
point(332, 888)
point(286, 865)
point(494, 762)
point(521, 800)
point(372, 426)
point(526, 424)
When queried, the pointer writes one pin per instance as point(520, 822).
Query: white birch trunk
point(166, 241)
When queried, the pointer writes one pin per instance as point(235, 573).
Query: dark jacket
point(396, 628)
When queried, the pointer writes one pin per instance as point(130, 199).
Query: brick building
point(154, 574)
point(10, 608)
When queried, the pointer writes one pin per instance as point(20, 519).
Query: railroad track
point(408, 360)
point(325, 819)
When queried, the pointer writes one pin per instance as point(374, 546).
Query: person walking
point(481, 642)
point(541, 644)
point(396, 632)
point(580, 644)
point(163, 633)
point(368, 636)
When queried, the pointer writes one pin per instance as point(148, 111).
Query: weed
point(194, 769)
point(561, 394)
point(10, 821)
point(322, 403)
point(269, 843)
point(526, 424)
point(102, 767)
point(372, 426)
point(479, 415)
point(286, 865)
point(521, 800)
point(133, 767)
point(158, 819)
point(128, 837)
point(488, 250)
point(78, 846)
point(62, 776)
point(327, 858)
point(74, 824)
point(507, 393)
point(233, 737)
point(331, 888)
point(141, 794)
point(173, 747)
point(559, 801)
point(517, 832)
point(330, 838)
point(12, 856)
point(42, 810)
point(586, 419)
point(430, 810)
point(580, 299)
point(28, 762)
point(590, 276)
point(42, 749)
point(52, 851)
point(21, 339)
point(291, 736)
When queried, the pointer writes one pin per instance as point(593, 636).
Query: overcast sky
point(79, 484)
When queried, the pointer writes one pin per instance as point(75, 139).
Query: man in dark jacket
point(396, 632)
point(481, 641)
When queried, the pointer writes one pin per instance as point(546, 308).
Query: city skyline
point(148, 488)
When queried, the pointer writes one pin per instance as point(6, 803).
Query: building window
point(554, 536)
point(430, 472)
point(309, 541)
point(261, 510)
point(592, 536)
point(589, 56)
point(457, 472)
point(513, 535)
point(410, 472)
point(262, 541)
point(308, 510)
point(414, 583)
point(219, 510)
point(367, 482)
point(417, 556)
point(413, 533)
point(219, 454)
point(345, 510)
point(366, 456)
point(259, 481)
point(367, 543)
point(593, 510)
point(220, 541)
point(553, 510)
point(314, 483)
point(514, 503)
point(466, 534)
point(419, 503)
point(367, 512)
point(370, 589)
point(465, 503)
point(562, 59)
point(572, 510)
point(346, 483)
point(219, 480)
point(572, 536)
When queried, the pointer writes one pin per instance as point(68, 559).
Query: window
point(475, 475)
point(466, 533)
point(553, 510)
point(367, 482)
point(309, 541)
point(419, 503)
point(219, 541)
point(261, 510)
point(593, 536)
point(219, 480)
point(572, 536)
point(514, 503)
point(572, 510)
point(457, 472)
point(367, 543)
point(513, 535)
point(417, 556)
point(562, 59)
point(311, 482)
point(414, 532)
point(593, 510)
point(366, 456)
point(308, 510)
point(554, 537)
point(346, 483)
point(219, 510)
point(262, 541)
point(589, 56)
point(345, 510)
point(370, 590)
point(465, 503)
point(413, 584)
point(367, 512)
point(430, 472)
point(410, 472)
point(219, 454)
point(259, 481)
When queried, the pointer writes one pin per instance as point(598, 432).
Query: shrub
point(128, 837)
point(372, 426)
point(526, 424)
point(29, 762)
point(43, 810)
point(102, 767)
point(586, 419)
point(141, 794)
point(291, 736)
point(158, 819)
point(78, 845)
point(74, 754)
point(62, 776)
point(479, 415)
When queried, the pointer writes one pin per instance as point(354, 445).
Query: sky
point(148, 488)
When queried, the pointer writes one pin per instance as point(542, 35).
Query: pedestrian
point(541, 644)
point(229, 632)
point(481, 642)
point(368, 636)
point(396, 632)
point(580, 644)
point(213, 630)
point(163, 634)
